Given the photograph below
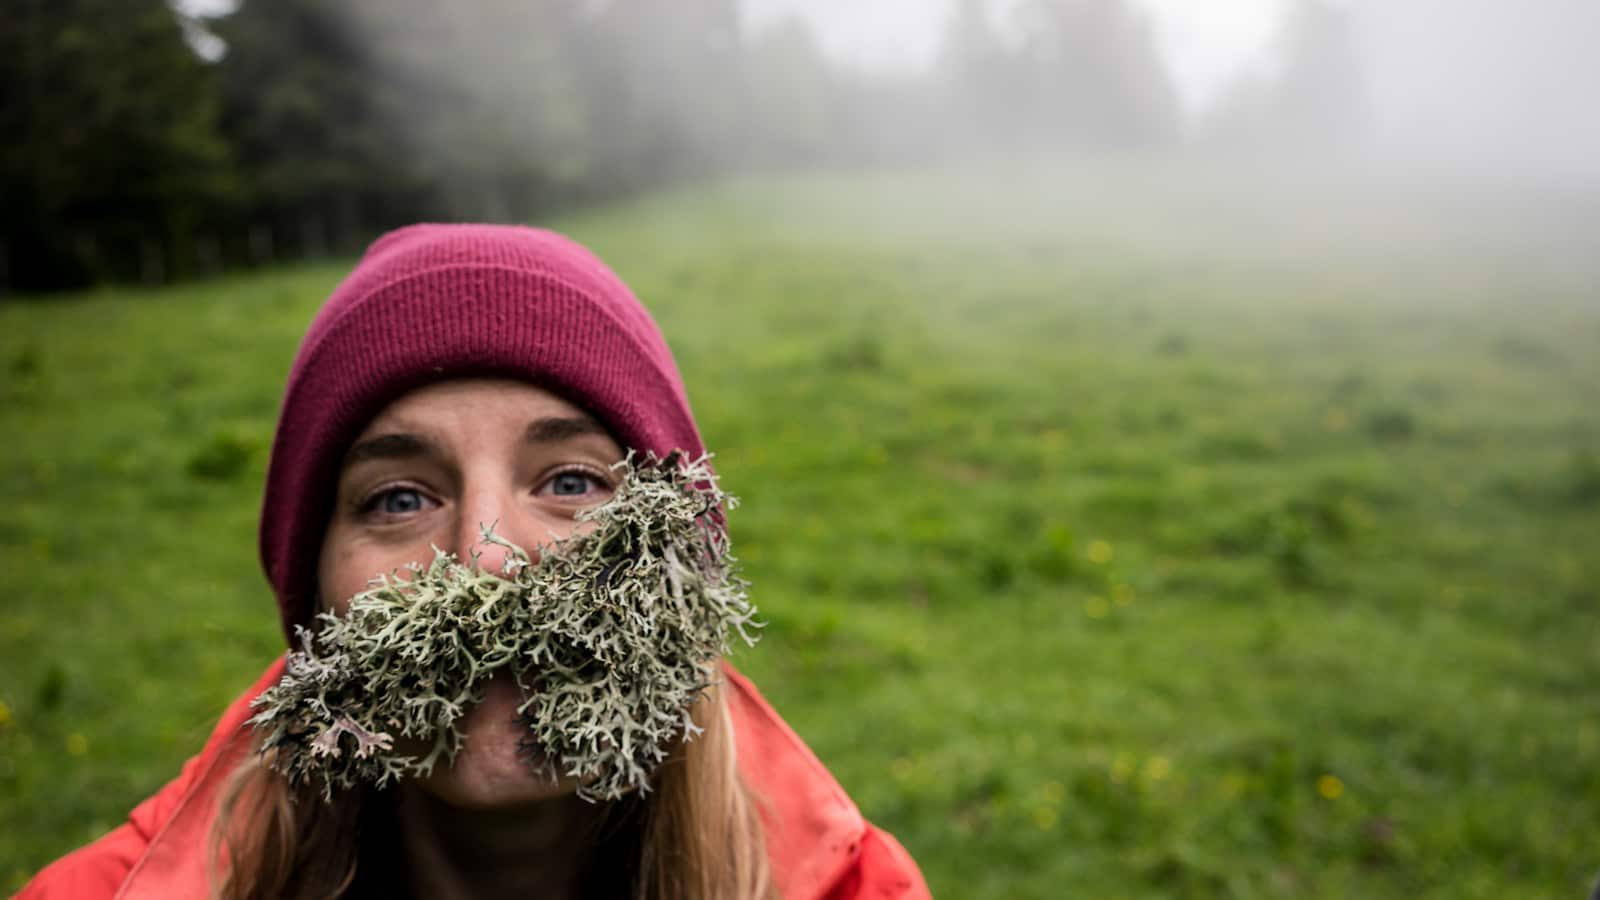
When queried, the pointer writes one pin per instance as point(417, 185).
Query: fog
point(1486, 87)
point(333, 121)
point(1491, 86)
point(1469, 87)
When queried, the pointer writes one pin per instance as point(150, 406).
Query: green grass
point(1117, 536)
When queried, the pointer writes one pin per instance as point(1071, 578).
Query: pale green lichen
point(613, 635)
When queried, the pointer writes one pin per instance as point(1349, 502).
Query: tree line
point(148, 145)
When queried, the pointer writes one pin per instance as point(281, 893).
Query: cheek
point(349, 561)
point(343, 571)
point(537, 530)
point(575, 528)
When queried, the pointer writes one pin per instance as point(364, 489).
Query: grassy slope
point(1102, 556)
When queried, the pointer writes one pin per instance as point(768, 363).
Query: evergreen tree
point(981, 82)
point(792, 97)
point(666, 90)
point(113, 162)
point(490, 107)
point(1312, 100)
point(304, 107)
point(1097, 78)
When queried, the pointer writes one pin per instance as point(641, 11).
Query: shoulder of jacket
point(176, 862)
point(818, 843)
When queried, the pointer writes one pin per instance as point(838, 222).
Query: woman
point(468, 392)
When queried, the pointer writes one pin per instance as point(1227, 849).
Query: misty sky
point(1206, 43)
point(1484, 84)
point(1477, 84)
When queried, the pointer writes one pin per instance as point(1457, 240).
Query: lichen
point(612, 636)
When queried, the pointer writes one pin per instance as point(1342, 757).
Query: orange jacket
point(820, 846)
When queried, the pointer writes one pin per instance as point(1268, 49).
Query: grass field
point(1119, 535)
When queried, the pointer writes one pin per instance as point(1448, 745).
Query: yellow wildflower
point(1122, 768)
point(1157, 768)
point(1099, 552)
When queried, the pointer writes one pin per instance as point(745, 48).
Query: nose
point(491, 512)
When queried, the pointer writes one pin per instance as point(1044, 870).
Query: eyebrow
point(406, 445)
point(397, 445)
point(551, 429)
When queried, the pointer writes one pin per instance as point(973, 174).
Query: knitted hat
point(434, 302)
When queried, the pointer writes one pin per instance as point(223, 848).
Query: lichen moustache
point(612, 636)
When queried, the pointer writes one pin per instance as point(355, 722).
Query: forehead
point(446, 405)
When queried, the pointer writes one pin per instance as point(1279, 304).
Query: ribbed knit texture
point(434, 302)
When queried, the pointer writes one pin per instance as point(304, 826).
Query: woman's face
point(435, 468)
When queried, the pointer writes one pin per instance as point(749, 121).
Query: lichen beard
point(612, 636)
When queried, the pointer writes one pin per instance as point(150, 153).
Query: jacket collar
point(813, 830)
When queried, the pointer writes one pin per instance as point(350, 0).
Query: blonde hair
point(699, 834)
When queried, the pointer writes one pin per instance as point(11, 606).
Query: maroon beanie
point(433, 302)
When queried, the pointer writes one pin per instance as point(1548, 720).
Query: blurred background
point(152, 141)
point(1168, 431)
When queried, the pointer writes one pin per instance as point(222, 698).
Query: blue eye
point(571, 484)
point(400, 501)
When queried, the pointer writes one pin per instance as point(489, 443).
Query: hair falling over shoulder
point(699, 834)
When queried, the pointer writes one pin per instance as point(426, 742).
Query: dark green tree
point(666, 90)
point(305, 105)
point(489, 106)
point(113, 166)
